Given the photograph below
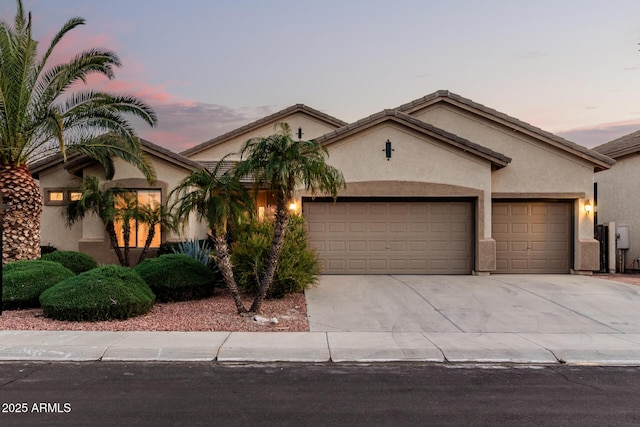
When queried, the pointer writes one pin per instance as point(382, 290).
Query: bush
point(74, 261)
point(177, 277)
point(298, 268)
point(24, 281)
point(104, 293)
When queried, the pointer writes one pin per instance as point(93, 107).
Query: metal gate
point(602, 236)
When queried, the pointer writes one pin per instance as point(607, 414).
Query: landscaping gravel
point(217, 313)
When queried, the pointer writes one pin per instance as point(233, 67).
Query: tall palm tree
point(219, 199)
point(102, 204)
point(283, 164)
point(39, 117)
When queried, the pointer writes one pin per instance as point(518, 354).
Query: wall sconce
point(588, 207)
point(387, 149)
point(292, 206)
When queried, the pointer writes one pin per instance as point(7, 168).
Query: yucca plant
point(196, 249)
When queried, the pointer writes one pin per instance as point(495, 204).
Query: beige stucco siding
point(52, 229)
point(618, 200)
point(311, 128)
point(535, 166)
point(415, 158)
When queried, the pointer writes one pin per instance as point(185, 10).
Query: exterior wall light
point(292, 206)
point(588, 207)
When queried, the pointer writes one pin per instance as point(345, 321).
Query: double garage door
point(392, 237)
point(436, 237)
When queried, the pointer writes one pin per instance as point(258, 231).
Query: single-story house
point(440, 185)
point(617, 201)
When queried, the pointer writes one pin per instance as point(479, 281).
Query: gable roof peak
point(264, 120)
point(601, 161)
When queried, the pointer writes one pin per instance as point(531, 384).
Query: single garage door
point(392, 237)
point(532, 237)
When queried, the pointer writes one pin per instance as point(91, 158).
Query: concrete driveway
point(544, 304)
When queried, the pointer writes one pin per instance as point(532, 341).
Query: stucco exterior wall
point(311, 128)
point(52, 229)
point(618, 200)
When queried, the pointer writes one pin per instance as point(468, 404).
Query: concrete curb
point(317, 347)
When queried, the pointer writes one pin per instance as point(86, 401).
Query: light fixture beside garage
point(387, 149)
point(588, 207)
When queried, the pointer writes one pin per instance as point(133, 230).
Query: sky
point(571, 67)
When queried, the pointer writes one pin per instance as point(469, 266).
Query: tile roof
point(498, 159)
point(622, 146)
point(76, 161)
point(599, 159)
point(265, 120)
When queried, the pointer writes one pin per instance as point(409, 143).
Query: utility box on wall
point(622, 235)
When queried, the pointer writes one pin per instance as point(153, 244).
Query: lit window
point(75, 196)
point(56, 196)
point(130, 200)
point(60, 196)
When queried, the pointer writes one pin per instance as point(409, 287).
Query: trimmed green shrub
point(298, 268)
point(24, 281)
point(177, 277)
point(104, 293)
point(74, 261)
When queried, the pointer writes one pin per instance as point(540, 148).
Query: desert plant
point(196, 249)
point(283, 164)
point(177, 277)
point(104, 293)
point(220, 199)
point(74, 261)
point(297, 270)
point(24, 281)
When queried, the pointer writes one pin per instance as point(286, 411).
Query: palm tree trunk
point(147, 243)
point(21, 221)
point(113, 237)
point(126, 234)
point(224, 264)
point(279, 229)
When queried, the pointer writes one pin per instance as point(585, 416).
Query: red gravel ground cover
point(217, 313)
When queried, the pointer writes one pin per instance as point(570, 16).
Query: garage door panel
point(393, 237)
point(532, 237)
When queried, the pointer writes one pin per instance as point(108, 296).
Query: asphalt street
point(395, 394)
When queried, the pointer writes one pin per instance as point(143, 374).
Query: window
point(61, 196)
point(126, 203)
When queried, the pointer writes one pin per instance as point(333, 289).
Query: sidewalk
point(241, 347)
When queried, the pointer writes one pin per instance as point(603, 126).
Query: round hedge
point(24, 281)
point(104, 293)
point(177, 277)
point(74, 261)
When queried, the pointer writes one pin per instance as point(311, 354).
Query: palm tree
point(152, 216)
point(283, 164)
point(39, 117)
point(219, 199)
point(102, 204)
